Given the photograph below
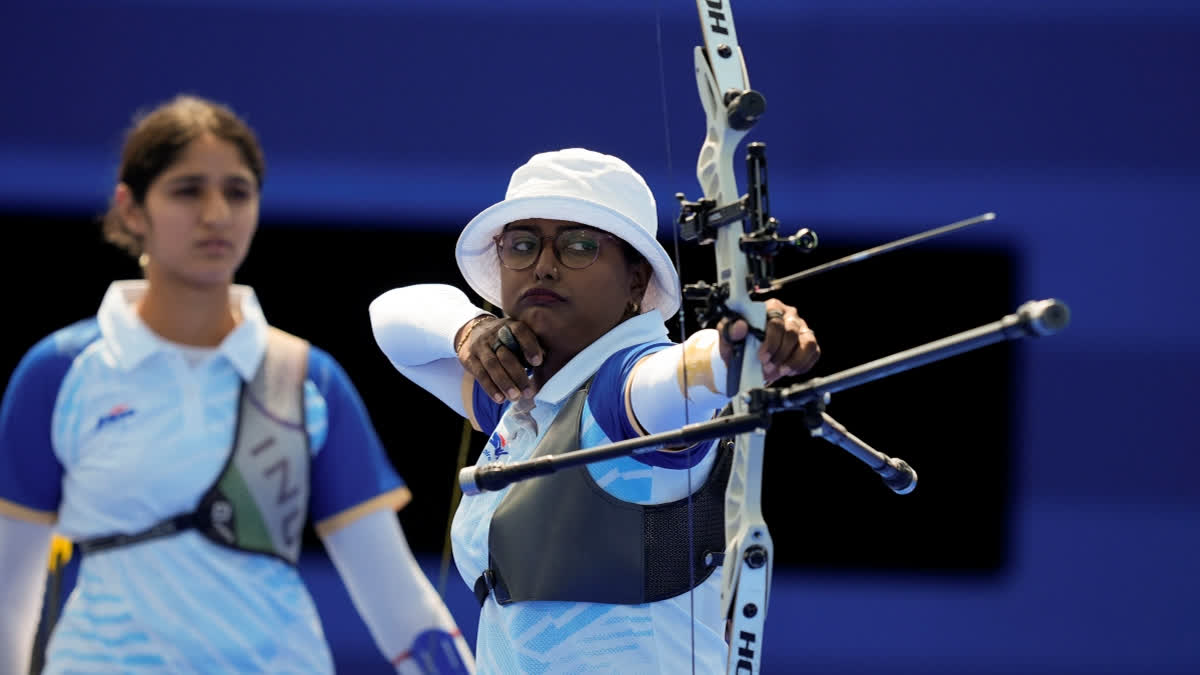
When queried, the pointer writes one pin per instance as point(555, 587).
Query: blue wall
point(1078, 123)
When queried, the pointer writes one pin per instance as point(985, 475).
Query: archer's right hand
point(499, 353)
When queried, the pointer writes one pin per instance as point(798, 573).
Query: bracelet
point(466, 330)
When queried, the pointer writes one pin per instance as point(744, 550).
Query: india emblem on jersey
point(118, 412)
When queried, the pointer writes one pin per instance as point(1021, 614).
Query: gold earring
point(143, 260)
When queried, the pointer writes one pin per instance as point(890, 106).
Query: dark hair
point(632, 255)
point(154, 142)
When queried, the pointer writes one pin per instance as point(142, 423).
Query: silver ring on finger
point(505, 338)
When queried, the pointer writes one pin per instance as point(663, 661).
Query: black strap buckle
point(488, 584)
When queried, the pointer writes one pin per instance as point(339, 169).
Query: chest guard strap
point(562, 537)
point(259, 501)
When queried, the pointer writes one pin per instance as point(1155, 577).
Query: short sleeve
point(487, 412)
point(351, 474)
point(606, 400)
point(606, 396)
point(30, 473)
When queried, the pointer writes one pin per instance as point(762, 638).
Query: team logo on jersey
point(497, 446)
point(118, 412)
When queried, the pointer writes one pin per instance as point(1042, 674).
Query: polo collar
point(132, 341)
point(647, 327)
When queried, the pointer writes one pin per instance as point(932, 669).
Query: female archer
point(591, 568)
point(182, 442)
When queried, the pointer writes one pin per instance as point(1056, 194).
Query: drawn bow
point(744, 277)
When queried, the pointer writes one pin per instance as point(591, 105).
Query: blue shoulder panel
point(351, 467)
point(30, 473)
point(606, 401)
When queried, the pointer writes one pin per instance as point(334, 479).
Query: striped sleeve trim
point(468, 399)
point(628, 396)
point(18, 512)
point(394, 500)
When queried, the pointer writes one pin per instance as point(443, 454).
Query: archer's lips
point(214, 246)
point(541, 296)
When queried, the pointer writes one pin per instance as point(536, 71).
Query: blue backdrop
point(1076, 122)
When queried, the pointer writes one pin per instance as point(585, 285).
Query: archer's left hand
point(789, 347)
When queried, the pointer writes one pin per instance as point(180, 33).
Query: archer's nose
point(546, 265)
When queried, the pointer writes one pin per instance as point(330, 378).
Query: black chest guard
point(562, 537)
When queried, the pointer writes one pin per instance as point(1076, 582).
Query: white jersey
point(114, 429)
point(582, 637)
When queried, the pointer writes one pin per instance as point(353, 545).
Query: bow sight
point(700, 222)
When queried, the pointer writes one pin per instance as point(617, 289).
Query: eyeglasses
point(575, 248)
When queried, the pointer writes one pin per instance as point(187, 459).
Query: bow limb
point(731, 109)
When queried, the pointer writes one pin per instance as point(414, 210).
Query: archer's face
point(199, 215)
point(566, 300)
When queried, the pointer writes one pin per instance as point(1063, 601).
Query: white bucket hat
point(581, 186)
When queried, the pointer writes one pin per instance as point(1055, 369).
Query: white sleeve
point(655, 391)
point(404, 613)
point(24, 551)
point(415, 327)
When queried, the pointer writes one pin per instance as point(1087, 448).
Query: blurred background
point(1055, 526)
